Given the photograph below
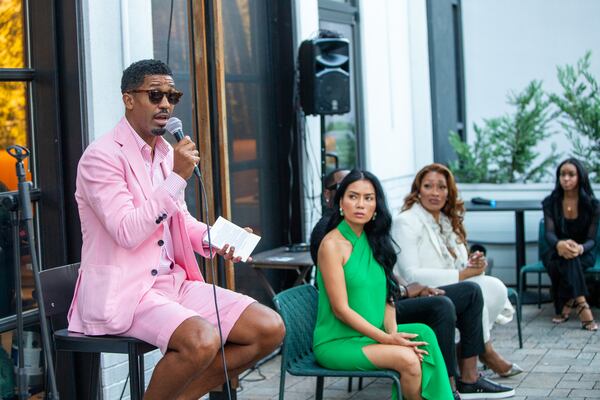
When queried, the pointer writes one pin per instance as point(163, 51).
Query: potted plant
point(504, 147)
point(579, 112)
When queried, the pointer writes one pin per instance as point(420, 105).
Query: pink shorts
point(172, 300)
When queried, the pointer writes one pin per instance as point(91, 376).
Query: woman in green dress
point(356, 322)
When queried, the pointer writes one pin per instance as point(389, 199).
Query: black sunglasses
point(155, 96)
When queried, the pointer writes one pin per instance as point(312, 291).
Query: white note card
point(226, 232)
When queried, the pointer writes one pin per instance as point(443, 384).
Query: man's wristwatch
point(403, 292)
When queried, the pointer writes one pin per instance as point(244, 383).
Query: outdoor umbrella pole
point(21, 153)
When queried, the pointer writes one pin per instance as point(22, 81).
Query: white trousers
point(496, 306)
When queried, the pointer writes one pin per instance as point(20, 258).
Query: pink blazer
point(119, 212)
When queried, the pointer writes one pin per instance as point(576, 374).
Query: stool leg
point(69, 389)
point(142, 374)
point(134, 373)
point(95, 377)
point(349, 384)
point(360, 383)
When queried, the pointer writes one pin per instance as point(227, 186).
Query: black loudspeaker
point(325, 76)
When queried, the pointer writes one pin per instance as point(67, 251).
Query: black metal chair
point(58, 286)
point(512, 294)
point(536, 267)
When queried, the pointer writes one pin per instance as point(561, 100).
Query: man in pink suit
point(139, 276)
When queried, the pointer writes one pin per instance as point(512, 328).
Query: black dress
point(567, 276)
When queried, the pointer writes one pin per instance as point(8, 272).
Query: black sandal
point(564, 316)
point(589, 325)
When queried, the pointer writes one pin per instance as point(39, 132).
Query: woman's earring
point(374, 216)
point(341, 212)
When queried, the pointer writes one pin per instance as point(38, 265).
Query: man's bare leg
point(258, 331)
point(192, 348)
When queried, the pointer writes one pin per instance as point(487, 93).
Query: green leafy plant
point(473, 160)
point(579, 112)
point(504, 147)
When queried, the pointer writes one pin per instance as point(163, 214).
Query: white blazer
point(421, 257)
point(423, 260)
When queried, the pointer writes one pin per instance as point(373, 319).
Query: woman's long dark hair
point(587, 202)
point(377, 230)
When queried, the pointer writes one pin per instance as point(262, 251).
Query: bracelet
point(403, 291)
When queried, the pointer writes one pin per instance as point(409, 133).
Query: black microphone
point(175, 128)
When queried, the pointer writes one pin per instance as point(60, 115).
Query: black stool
point(58, 287)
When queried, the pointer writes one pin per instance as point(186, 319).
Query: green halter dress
point(338, 346)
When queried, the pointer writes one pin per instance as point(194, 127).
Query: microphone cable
point(212, 275)
point(174, 127)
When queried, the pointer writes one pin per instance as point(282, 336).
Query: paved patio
point(561, 362)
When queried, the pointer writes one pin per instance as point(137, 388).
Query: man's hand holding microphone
point(185, 155)
point(185, 163)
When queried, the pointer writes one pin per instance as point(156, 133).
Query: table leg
point(520, 243)
point(265, 282)
point(302, 272)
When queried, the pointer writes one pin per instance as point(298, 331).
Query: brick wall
point(115, 368)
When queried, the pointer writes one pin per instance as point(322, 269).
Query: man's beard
point(158, 131)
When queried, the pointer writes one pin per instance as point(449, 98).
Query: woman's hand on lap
point(404, 339)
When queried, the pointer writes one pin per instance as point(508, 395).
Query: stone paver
point(560, 362)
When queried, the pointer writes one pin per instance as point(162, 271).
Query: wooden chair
point(58, 286)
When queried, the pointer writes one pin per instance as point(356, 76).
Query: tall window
point(174, 48)
point(342, 136)
point(250, 115)
point(256, 36)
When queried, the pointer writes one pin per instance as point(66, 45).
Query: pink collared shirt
point(173, 183)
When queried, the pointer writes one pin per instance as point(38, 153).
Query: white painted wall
point(398, 132)
point(508, 43)
point(116, 33)
point(396, 96)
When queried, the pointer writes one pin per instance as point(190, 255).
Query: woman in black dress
point(571, 214)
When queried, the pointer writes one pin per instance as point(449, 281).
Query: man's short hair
point(329, 179)
point(133, 76)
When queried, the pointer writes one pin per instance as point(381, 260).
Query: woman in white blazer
point(433, 251)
